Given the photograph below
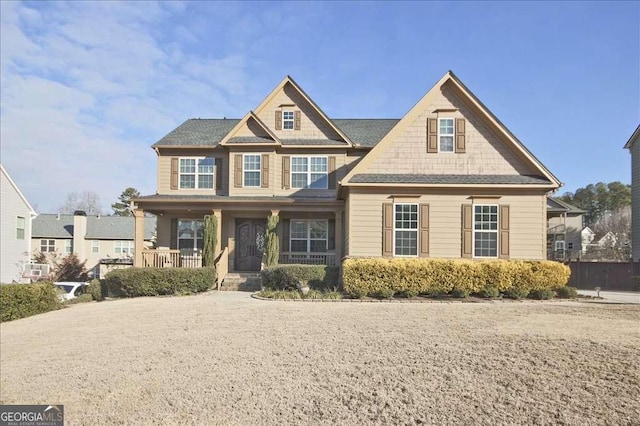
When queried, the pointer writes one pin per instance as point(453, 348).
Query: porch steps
point(241, 281)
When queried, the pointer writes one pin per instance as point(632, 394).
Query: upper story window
point(95, 246)
point(288, 120)
point(251, 170)
point(446, 132)
point(485, 230)
point(196, 173)
point(309, 172)
point(405, 230)
point(20, 224)
point(124, 247)
point(47, 246)
point(68, 246)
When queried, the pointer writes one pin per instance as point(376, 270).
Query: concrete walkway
point(614, 296)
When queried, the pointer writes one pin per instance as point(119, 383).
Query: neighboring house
point(587, 235)
point(15, 217)
point(447, 180)
point(564, 232)
point(634, 148)
point(96, 239)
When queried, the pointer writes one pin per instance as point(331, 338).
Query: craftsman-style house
point(447, 180)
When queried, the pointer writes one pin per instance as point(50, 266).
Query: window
point(68, 246)
point(124, 247)
point(309, 236)
point(559, 245)
point(47, 246)
point(445, 134)
point(95, 246)
point(196, 173)
point(20, 228)
point(405, 230)
point(190, 235)
point(309, 172)
point(251, 167)
point(485, 231)
point(569, 246)
point(287, 120)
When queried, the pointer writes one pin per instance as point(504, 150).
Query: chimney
point(79, 233)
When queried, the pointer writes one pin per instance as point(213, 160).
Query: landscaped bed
point(225, 358)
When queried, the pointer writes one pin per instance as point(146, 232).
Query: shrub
point(490, 292)
point(313, 294)
point(567, 292)
point(136, 282)
point(516, 293)
point(541, 294)
point(384, 293)
point(287, 277)
point(460, 293)
point(23, 300)
point(95, 289)
point(80, 299)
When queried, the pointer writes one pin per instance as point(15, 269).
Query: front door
point(250, 243)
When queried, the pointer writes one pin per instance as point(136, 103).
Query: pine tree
point(123, 207)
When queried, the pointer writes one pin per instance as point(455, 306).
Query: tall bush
point(23, 300)
point(273, 243)
point(210, 240)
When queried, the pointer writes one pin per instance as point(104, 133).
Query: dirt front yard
point(229, 359)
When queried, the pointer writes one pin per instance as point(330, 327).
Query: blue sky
point(86, 87)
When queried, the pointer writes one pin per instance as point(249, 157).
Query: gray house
point(634, 148)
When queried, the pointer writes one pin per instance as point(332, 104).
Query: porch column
point(138, 239)
point(338, 237)
point(218, 215)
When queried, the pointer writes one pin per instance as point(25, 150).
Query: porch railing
point(170, 258)
point(307, 258)
point(557, 229)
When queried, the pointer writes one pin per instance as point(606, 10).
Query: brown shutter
point(173, 242)
point(237, 180)
point(174, 173)
point(467, 230)
point(278, 120)
point(219, 173)
point(387, 229)
point(297, 120)
point(331, 235)
point(432, 135)
point(461, 145)
point(284, 236)
point(504, 232)
point(265, 170)
point(286, 176)
point(332, 173)
point(424, 230)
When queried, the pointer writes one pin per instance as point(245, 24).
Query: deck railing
point(170, 258)
point(307, 258)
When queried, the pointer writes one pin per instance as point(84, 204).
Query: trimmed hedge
point(362, 277)
point(95, 289)
point(137, 282)
point(24, 300)
point(287, 277)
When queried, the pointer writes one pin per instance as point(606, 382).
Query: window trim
point(291, 120)
point(130, 247)
point(244, 170)
point(453, 136)
point(474, 230)
point(197, 173)
point(21, 235)
point(308, 239)
point(50, 244)
point(417, 229)
point(309, 172)
point(95, 244)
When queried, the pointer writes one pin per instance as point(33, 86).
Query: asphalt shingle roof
point(447, 179)
point(366, 132)
point(311, 142)
point(98, 227)
point(200, 197)
point(251, 139)
point(557, 205)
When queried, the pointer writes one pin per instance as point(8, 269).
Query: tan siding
point(526, 227)
point(485, 152)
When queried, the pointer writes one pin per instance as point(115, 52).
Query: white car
point(70, 290)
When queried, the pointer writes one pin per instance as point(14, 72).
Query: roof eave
point(454, 185)
point(633, 138)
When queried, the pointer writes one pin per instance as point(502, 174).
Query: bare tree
point(87, 201)
point(618, 247)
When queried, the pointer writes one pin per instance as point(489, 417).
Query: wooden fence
point(606, 275)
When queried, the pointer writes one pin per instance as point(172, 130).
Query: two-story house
point(448, 180)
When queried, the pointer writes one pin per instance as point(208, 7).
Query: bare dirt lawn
point(229, 359)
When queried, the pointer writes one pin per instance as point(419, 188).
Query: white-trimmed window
point(308, 235)
point(95, 246)
point(405, 229)
point(190, 234)
point(485, 230)
point(251, 169)
point(68, 246)
point(196, 173)
point(47, 246)
point(446, 132)
point(288, 120)
point(124, 247)
point(309, 172)
point(20, 224)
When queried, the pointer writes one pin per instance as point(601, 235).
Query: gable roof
point(98, 227)
point(229, 138)
point(15, 187)
point(633, 138)
point(410, 117)
point(557, 205)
